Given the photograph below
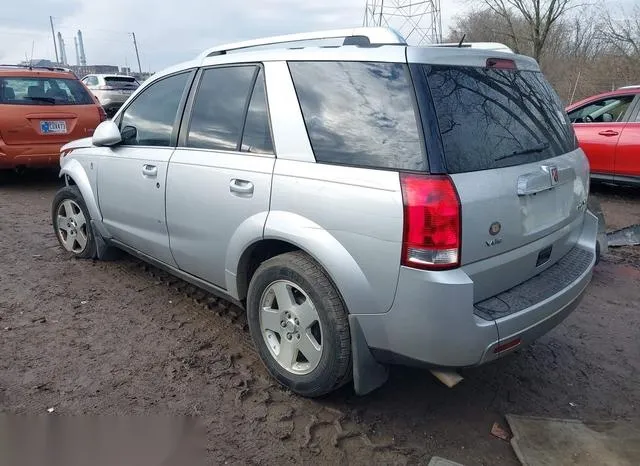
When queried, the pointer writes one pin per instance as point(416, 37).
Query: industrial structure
point(418, 21)
point(63, 50)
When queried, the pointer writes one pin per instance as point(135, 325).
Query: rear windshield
point(43, 91)
point(124, 82)
point(493, 118)
point(360, 113)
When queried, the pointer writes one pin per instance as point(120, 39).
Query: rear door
point(45, 110)
point(627, 160)
point(219, 179)
point(511, 152)
point(131, 178)
point(598, 125)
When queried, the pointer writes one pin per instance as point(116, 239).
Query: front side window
point(360, 113)
point(43, 91)
point(611, 110)
point(151, 118)
point(219, 108)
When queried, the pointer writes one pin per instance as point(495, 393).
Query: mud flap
point(103, 250)
point(368, 374)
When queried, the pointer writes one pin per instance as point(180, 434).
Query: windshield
point(43, 91)
point(493, 118)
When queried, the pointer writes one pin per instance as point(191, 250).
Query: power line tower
point(419, 21)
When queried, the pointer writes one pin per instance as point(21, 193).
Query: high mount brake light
point(432, 223)
point(501, 64)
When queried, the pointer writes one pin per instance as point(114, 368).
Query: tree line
point(583, 49)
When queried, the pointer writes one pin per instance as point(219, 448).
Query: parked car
point(111, 90)
point(608, 130)
point(41, 109)
point(368, 204)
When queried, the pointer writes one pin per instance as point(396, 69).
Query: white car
point(111, 90)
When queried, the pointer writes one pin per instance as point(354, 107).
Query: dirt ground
point(124, 338)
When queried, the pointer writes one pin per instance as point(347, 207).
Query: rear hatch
point(511, 152)
point(45, 110)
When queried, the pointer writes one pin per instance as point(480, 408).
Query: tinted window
point(603, 111)
point(219, 108)
point(121, 82)
point(496, 118)
point(43, 91)
point(257, 135)
point(360, 113)
point(153, 113)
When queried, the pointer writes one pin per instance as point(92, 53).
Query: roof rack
point(364, 36)
point(633, 86)
point(33, 67)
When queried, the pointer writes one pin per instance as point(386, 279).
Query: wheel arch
point(286, 231)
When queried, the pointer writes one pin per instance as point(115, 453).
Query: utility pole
point(53, 34)
point(135, 44)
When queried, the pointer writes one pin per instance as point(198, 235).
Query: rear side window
point(256, 137)
point(218, 112)
point(154, 112)
point(493, 118)
point(360, 113)
point(43, 91)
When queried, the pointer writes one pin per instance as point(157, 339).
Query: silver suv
point(367, 204)
point(111, 90)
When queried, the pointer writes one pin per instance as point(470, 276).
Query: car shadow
point(40, 178)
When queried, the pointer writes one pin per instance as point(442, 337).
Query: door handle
point(608, 133)
point(150, 170)
point(241, 187)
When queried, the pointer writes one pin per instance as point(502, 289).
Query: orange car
point(41, 109)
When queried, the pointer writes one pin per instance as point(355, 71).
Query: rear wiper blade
point(533, 150)
point(49, 100)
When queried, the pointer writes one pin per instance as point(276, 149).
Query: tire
point(312, 373)
point(72, 223)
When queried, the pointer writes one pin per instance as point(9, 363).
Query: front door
point(219, 179)
point(131, 179)
point(598, 125)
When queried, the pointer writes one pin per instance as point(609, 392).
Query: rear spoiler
point(494, 46)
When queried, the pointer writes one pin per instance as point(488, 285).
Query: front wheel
point(72, 223)
point(299, 325)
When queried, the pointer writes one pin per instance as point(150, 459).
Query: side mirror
point(106, 134)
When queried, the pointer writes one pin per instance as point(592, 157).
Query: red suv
point(608, 130)
point(41, 109)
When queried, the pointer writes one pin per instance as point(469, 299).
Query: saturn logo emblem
point(495, 228)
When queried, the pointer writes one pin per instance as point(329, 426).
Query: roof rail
point(363, 36)
point(33, 67)
point(495, 46)
point(633, 86)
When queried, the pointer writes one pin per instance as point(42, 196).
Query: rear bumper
point(434, 321)
point(34, 155)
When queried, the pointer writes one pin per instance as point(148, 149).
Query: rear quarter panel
point(349, 219)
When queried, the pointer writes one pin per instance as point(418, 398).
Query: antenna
point(462, 40)
point(33, 44)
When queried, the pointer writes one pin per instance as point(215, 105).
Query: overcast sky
point(169, 31)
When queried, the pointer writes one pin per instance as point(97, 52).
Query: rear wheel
point(72, 223)
point(299, 325)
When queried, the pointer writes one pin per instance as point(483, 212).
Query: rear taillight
point(431, 238)
point(102, 113)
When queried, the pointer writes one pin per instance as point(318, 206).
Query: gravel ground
point(125, 338)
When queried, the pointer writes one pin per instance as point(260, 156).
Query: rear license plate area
point(544, 256)
point(53, 127)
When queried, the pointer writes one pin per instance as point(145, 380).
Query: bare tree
point(624, 34)
point(539, 16)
